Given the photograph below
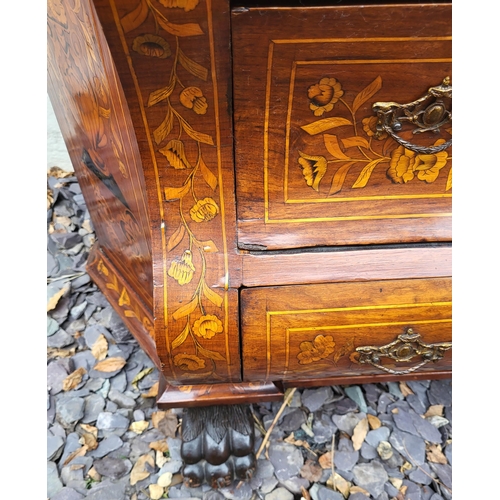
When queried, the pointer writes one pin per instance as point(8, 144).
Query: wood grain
point(310, 170)
point(304, 331)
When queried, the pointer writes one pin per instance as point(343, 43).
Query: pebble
point(109, 403)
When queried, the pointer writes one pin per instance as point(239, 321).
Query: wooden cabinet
point(270, 186)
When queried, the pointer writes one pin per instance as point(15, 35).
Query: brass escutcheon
point(427, 114)
point(406, 347)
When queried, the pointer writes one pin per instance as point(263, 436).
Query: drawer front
point(312, 169)
point(310, 332)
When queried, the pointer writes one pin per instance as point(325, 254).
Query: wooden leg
point(217, 445)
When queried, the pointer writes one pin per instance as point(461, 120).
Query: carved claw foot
point(217, 445)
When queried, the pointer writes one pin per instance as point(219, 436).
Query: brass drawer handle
point(404, 348)
point(428, 113)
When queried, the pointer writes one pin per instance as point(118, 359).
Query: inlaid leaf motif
point(313, 169)
point(339, 177)
point(333, 147)
point(177, 193)
point(176, 237)
point(189, 29)
point(209, 246)
point(365, 174)
point(355, 141)
point(135, 18)
point(186, 309)
point(367, 93)
point(209, 177)
point(164, 128)
point(448, 181)
point(179, 340)
point(325, 124)
point(193, 67)
point(161, 94)
point(212, 296)
point(211, 354)
point(197, 136)
point(174, 153)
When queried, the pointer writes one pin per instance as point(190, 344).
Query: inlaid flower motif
point(370, 128)
point(182, 269)
point(319, 348)
point(152, 46)
point(323, 95)
point(187, 5)
point(204, 210)
point(427, 167)
point(189, 362)
point(402, 165)
point(193, 98)
point(313, 169)
point(207, 326)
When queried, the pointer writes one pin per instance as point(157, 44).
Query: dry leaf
point(89, 429)
point(358, 489)
point(93, 474)
point(405, 390)
point(160, 459)
point(311, 471)
point(325, 461)
point(73, 379)
point(435, 454)
point(52, 302)
point(395, 410)
point(434, 411)
point(139, 427)
point(406, 466)
point(110, 365)
point(139, 471)
point(396, 482)
point(141, 375)
point(88, 440)
point(156, 417)
point(155, 491)
point(305, 493)
point(77, 453)
point(359, 433)
point(338, 483)
point(153, 391)
point(161, 446)
point(52, 352)
point(100, 348)
point(168, 425)
point(373, 421)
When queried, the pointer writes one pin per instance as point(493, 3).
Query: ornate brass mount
point(428, 113)
point(404, 348)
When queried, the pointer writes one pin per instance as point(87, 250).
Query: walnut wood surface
point(312, 331)
point(202, 395)
point(143, 96)
point(175, 71)
point(92, 113)
point(272, 268)
point(309, 169)
point(135, 314)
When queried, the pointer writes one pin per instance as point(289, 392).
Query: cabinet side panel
point(94, 119)
point(173, 59)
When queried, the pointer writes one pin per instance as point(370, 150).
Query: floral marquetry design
point(363, 148)
point(320, 348)
point(180, 107)
point(323, 95)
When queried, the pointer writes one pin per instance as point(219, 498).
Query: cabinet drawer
point(373, 328)
point(311, 168)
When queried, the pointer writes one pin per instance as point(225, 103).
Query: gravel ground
point(107, 440)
